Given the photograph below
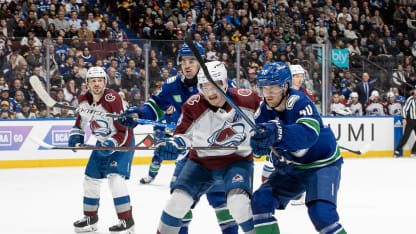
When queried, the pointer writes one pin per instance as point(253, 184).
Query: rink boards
point(378, 135)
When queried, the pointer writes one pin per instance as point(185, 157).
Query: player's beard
point(97, 91)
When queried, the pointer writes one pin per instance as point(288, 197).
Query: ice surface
point(377, 195)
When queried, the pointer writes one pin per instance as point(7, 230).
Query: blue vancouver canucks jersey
point(174, 92)
point(310, 143)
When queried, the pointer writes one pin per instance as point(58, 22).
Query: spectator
point(45, 21)
point(61, 22)
point(5, 112)
point(70, 93)
point(88, 58)
point(74, 20)
point(84, 33)
point(117, 34)
point(129, 80)
point(103, 33)
point(26, 112)
point(136, 98)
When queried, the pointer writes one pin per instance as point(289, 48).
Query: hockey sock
point(178, 205)
point(154, 166)
point(266, 224)
point(226, 221)
point(238, 202)
point(185, 223)
point(118, 188)
point(324, 217)
point(91, 195)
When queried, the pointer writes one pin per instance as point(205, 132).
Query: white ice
point(376, 196)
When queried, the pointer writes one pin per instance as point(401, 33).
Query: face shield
point(270, 91)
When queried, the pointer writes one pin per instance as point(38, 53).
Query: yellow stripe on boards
point(78, 162)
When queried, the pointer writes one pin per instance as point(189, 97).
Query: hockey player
point(354, 105)
point(337, 107)
point(208, 120)
point(373, 107)
point(288, 121)
point(175, 91)
point(392, 106)
point(112, 165)
point(299, 75)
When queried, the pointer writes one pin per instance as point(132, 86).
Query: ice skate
point(396, 154)
point(299, 201)
point(86, 224)
point(125, 226)
point(146, 180)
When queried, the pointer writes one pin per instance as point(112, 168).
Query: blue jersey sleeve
point(154, 108)
point(302, 124)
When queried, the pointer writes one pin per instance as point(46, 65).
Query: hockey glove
point(127, 118)
point(76, 137)
point(167, 149)
point(270, 133)
point(106, 143)
point(280, 166)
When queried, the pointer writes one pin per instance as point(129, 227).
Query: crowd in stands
point(77, 34)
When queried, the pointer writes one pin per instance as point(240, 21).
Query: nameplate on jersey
point(291, 102)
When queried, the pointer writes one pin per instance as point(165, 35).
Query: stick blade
point(41, 143)
point(41, 91)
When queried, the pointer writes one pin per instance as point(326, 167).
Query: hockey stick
point(227, 99)
point(49, 101)
point(361, 151)
point(128, 148)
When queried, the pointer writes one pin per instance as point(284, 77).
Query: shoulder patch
point(257, 113)
point(110, 97)
point(171, 80)
point(291, 102)
point(193, 99)
point(244, 92)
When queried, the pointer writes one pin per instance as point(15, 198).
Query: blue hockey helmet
point(276, 73)
point(186, 51)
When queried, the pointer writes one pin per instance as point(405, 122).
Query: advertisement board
point(18, 137)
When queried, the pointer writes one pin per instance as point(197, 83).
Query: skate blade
point(297, 203)
point(90, 228)
point(127, 231)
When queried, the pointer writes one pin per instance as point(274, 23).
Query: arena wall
point(18, 149)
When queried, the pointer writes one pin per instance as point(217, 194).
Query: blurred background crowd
point(58, 40)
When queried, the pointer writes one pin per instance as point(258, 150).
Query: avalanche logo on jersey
point(237, 178)
point(110, 97)
point(100, 128)
point(228, 135)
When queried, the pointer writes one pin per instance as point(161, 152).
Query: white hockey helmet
point(375, 93)
point(354, 95)
point(296, 69)
point(217, 71)
point(96, 72)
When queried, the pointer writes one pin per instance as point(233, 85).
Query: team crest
point(237, 178)
point(244, 92)
point(100, 128)
point(228, 135)
point(291, 102)
point(113, 164)
point(194, 99)
point(110, 97)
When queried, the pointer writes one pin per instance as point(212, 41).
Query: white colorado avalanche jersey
point(201, 124)
point(101, 126)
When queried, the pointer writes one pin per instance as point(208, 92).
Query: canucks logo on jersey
point(231, 134)
point(100, 128)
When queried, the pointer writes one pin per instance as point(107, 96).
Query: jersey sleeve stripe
point(311, 123)
point(158, 112)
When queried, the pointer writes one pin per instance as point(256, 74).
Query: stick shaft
point(150, 148)
point(350, 150)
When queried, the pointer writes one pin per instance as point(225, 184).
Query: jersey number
point(306, 111)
